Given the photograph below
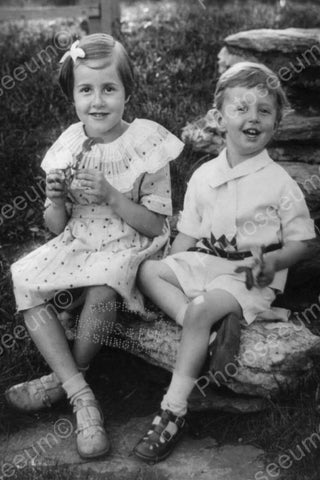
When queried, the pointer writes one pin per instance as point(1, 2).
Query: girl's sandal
point(92, 440)
point(166, 430)
point(35, 395)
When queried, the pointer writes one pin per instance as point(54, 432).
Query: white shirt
point(252, 204)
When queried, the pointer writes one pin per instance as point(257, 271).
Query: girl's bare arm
point(56, 216)
point(182, 243)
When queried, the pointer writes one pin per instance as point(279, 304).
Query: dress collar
point(223, 173)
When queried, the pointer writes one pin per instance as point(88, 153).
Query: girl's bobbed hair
point(97, 46)
point(251, 75)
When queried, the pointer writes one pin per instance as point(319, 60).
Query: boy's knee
point(197, 314)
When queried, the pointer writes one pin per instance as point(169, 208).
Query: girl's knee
point(147, 271)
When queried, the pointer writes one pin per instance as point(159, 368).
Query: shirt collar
point(223, 173)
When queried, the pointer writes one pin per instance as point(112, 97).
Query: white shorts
point(198, 273)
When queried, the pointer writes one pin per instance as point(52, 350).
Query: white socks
point(176, 398)
point(74, 386)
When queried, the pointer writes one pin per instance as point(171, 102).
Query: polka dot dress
point(97, 247)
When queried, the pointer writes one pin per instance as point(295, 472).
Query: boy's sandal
point(166, 430)
point(35, 395)
point(92, 440)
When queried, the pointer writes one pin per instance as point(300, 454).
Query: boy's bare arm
point(292, 253)
point(55, 215)
point(182, 242)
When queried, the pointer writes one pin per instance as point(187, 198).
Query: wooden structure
point(102, 15)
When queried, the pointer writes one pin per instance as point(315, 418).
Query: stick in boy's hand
point(249, 275)
point(253, 272)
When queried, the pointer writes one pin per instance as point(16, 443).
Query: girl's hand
point(95, 185)
point(56, 189)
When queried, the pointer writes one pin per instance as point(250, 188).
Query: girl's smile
point(248, 117)
point(99, 98)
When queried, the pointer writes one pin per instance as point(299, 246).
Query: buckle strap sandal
point(35, 395)
point(160, 440)
point(92, 440)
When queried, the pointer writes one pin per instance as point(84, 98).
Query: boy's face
point(248, 117)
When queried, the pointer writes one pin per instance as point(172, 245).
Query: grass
point(174, 46)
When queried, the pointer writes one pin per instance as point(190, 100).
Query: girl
point(234, 205)
point(108, 195)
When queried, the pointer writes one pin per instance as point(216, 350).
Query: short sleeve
point(190, 219)
point(155, 191)
point(296, 222)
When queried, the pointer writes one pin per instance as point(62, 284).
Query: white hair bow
point(74, 52)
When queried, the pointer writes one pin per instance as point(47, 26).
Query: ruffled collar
point(144, 147)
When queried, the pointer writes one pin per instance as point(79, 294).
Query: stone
point(308, 178)
point(288, 40)
point(48, 445)
point(203, 134)
point(212, 397)
point(293, 53)
point(298, 128)
point(292, 152)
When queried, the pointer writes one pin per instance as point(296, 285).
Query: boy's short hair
point(96, 46)
point(250, 75)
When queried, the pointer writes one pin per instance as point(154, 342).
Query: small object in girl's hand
point(57, 175)
point(77, 184)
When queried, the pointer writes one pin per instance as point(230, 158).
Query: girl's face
point(248, 117)
point(99, 98)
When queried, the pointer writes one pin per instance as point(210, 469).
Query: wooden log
point(273, 356)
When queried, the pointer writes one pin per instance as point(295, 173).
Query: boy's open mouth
point(251, 132)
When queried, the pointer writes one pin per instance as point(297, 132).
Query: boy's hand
point(56, 189)
point(263, 268)
point(262, 271)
